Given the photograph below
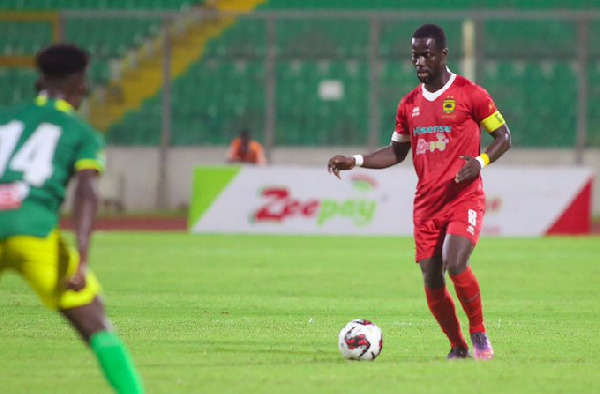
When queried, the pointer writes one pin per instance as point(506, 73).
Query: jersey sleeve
point(484, 110)
point(401, 132)
point(90, 155)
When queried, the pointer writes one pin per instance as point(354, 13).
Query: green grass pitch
point(251, 314)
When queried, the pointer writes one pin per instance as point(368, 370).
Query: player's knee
point(454, 267)
point(433, 281)
point(433, 278)
point(93, 326)
point(88, 319)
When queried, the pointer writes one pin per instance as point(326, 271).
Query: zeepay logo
point(280, 205)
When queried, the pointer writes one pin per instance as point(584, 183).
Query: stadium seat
point(106, 38)
point(28, 5)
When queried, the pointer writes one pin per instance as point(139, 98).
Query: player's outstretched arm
point(381, 158)
point(494, 151)
point(85, 206)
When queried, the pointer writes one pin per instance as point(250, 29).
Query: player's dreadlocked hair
point(432, 31)
point(61, 60)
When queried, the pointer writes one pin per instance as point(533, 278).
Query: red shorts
point(463, 218)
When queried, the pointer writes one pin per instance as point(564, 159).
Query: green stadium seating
point(23, 38)
point(527, 39)
point(526, 93)
point(522, 78)
point(105, 38)
point(110, 38)
point(436, 5)
point(593, 135)
point(29, 5)
point(528, 68)
point(17, 85)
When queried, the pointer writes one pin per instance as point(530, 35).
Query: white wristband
point(481, 162)
point(359, 160)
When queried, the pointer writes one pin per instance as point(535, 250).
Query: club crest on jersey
point(448, 105)
point(416, 112)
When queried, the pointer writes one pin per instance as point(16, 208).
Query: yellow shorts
point(45, 263)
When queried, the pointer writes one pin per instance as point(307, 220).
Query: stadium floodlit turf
point(251, 314)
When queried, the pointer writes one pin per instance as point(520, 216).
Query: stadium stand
point(105, 38)
point(594, 103)
point(430, 5)
point(220, 88)
point(310, 52)
point(46, 5)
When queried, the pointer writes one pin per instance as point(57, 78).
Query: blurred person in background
point(246, 151)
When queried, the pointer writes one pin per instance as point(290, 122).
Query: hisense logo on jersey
point(431, 129)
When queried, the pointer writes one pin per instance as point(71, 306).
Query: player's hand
point(338, 163)
point(77, 281)
point(470, 170)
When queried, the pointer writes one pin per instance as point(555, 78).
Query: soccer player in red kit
point(441, 121)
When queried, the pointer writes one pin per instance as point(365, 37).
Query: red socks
point(467, 290)
point(442, 307)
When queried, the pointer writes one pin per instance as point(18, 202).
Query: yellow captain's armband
point(89, 164)
point(493, 122)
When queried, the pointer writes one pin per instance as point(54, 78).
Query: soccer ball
point(360, 340)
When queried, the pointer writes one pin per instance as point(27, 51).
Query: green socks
point(116, 363)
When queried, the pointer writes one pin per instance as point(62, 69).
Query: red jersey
point(441, 127)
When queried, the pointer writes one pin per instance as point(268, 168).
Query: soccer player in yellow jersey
point(43, 145)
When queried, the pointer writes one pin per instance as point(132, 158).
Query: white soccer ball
point(360, 340)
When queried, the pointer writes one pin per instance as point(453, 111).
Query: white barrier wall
point(136, 169)
point(289, 200)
